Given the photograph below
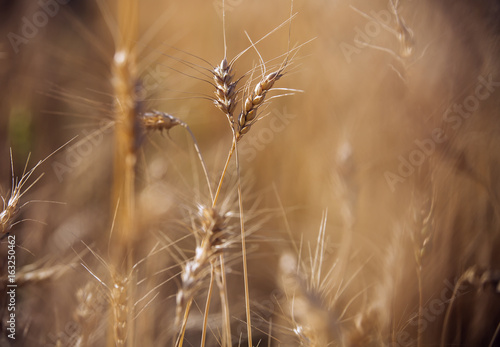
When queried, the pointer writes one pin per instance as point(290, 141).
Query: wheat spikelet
point(211, 236)
point(157, 120)
point(10, 210)
point(225, 89)
point(119, 304)
point(12, 205)
point(254, 101)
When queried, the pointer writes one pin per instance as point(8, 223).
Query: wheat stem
point(207, 305)
point(224, 171)
point(180, 340)
point(463, 278)
point(222, 283)
point(243, 247)
point(420, 305)
point(124, 79)
point(497, 330)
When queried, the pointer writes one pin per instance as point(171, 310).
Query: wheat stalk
point(213, 236)
point(225, 88)
point(124, 82)
point(226, 101)
point(469, 276)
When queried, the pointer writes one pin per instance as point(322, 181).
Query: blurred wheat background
point(368, 182)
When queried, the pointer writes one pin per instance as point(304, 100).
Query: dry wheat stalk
point(213, 237)
point(226, 101)
point(124, 82)
point(422, 217)
point(126, 107)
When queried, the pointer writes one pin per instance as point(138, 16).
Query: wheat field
point(249, 173)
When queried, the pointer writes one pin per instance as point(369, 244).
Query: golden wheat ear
point(213, 237)
point(11, 204)
point(225, 89)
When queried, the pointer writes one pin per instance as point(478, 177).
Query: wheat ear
point(254, 101)
point(212, 238)
point(118, 295)
point(11, 205)
point(124, 82)
point(86, 313)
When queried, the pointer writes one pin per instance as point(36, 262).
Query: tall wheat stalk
point(124, 81)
